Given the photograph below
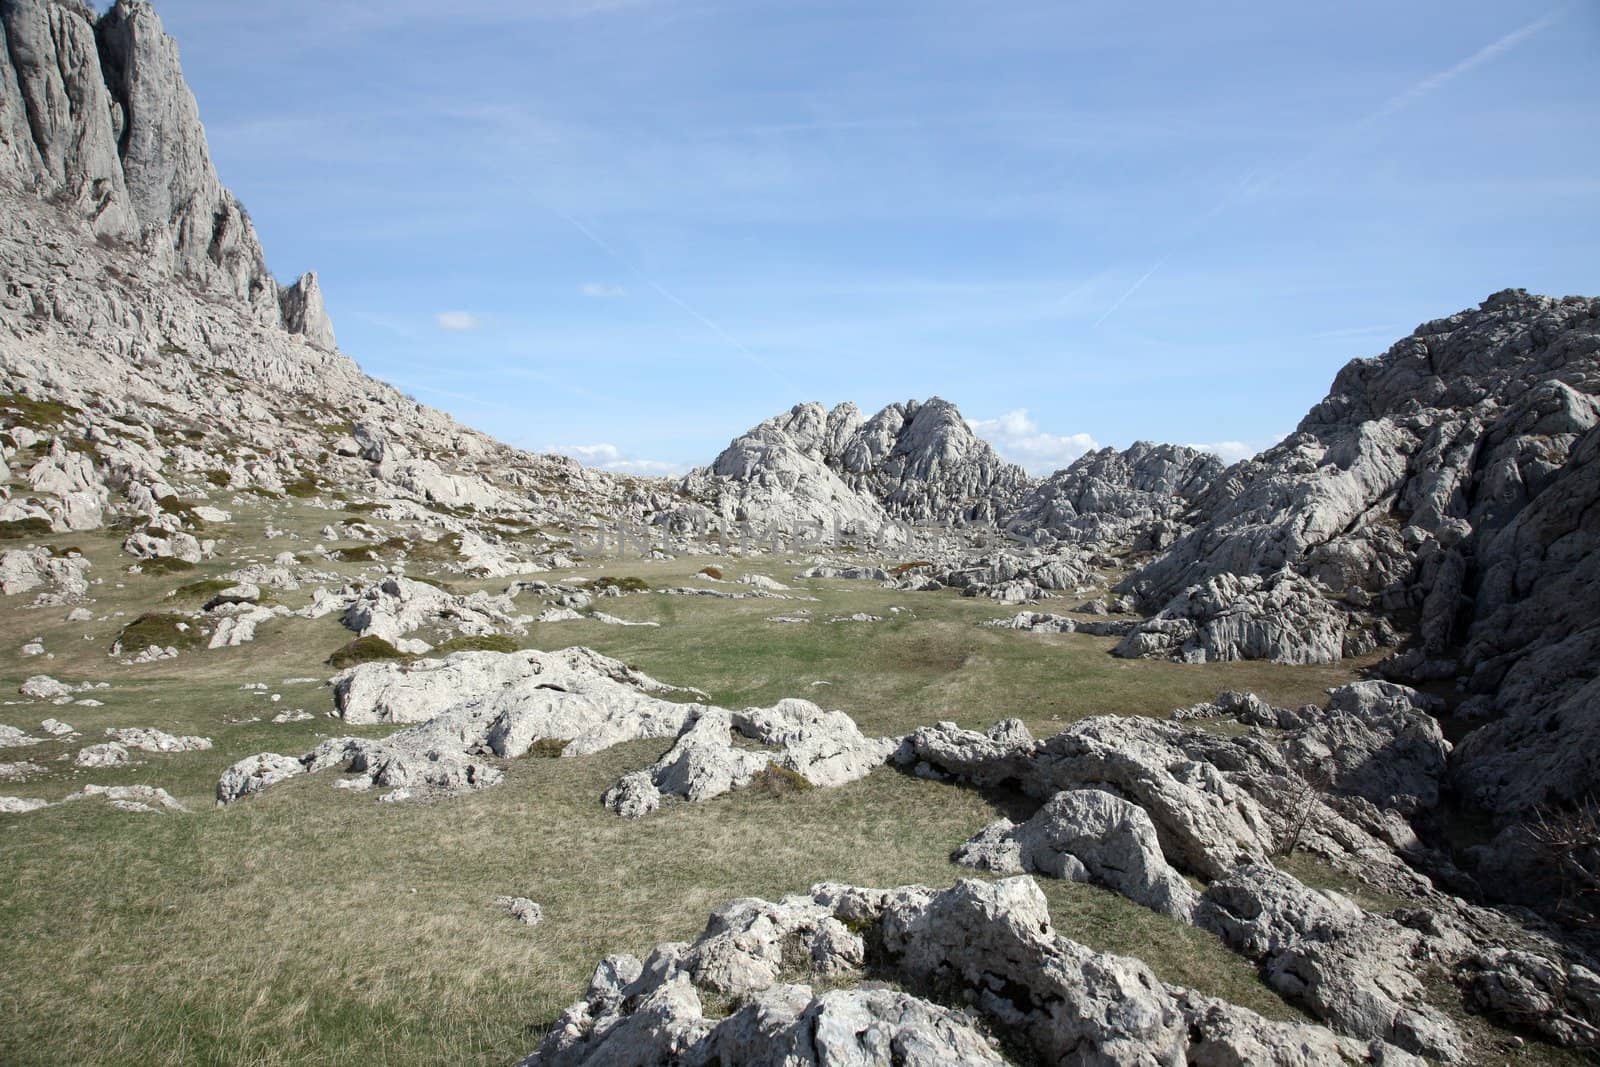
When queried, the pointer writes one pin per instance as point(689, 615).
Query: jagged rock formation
point(991, 946)
point(1119, 497)
point(149, 358)
point(1086, 835)
point(909, 462)
point(1392, 490)
point(1447, 494)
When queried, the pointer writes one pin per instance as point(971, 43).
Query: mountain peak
point(97, 119)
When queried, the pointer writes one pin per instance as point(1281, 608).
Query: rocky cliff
point(1443, 495)
point(95, 117)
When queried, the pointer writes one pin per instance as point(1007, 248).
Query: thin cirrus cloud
point(608, 457)
point(457, 321)
point(1017, 437)
point(600, 291)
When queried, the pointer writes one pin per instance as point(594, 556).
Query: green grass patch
point(199, 592)
point(445, 550)
point(303, 488)
point(355, 554)
point(479, 643)
point(162, 565)
point(22, 529)
point(41, 415)
point(367, 650)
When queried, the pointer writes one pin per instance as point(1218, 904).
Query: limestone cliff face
point(95, 117)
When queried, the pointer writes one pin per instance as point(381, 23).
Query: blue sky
point(636, 227)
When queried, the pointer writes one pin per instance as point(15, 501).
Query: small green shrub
point(163, 565)
point(302, 488)
point(220, 479)
point(161, 631)
point(627, 585)
point(776, 781)
point(20, 529)
point(200, 591)
point(367, 650)
point(480, 643)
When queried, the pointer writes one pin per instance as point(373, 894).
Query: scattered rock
point(110, 754)
point(254, 774)
point(521, 909)
point(44, 687)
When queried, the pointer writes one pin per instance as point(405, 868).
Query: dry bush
point(1569, 838)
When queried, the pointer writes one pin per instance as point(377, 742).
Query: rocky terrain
point(335, 733)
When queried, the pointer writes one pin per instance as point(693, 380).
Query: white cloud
point(1231, 452)
point(457, 321)
point(607, 457)
point(602, 292)
point(1017, 437)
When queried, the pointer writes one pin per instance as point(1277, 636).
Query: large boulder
point(1355, 970)
point(1087, 835)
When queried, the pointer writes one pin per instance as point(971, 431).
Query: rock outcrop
point(1445, 497)
point(1357, 971)
point(467, 713)
point(1087, 835)
point(801, 743)
point(989, 946)
point(1132, 805)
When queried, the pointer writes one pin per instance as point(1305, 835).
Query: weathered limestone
point(1355, 970)
point(1087, 835)
point(991, 946)
point(820, 748)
